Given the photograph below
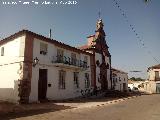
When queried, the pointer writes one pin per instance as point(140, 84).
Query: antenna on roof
point(50, 33)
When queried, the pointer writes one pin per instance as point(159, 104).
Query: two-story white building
point(120, 80)
point(152, 85)
point(33, 67)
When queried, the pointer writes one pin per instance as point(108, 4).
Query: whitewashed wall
point(123, 79)
point(9, 73)
point(108, 72)
point(54, 92)
point(151, 73)
point(150, 86)
point(99, 57)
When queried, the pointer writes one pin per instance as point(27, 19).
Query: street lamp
point(35, 61)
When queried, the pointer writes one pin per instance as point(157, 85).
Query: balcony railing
point(71, 61)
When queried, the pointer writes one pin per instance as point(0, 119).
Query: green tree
point(136, 79)
point(133, 78)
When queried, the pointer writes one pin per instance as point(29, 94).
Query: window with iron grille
point(60, 55)
point(62, 75)
point(76, 81)
point(87, 82)
point(43, 48)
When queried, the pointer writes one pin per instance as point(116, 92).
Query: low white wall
point(150, 86)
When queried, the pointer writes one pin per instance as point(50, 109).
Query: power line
point(132, 27)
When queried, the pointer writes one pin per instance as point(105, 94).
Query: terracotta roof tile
point(120, 71)
point(22, 32)
point(83, 47)
point(155, 67)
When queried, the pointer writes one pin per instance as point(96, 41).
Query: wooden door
point(42, 84)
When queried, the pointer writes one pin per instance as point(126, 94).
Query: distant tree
point(136, 79)
point(139, 79)
point(133, 78)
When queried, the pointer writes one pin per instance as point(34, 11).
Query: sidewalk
point(93, 103)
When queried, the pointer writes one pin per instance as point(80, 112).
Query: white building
point(35, 68)
point(120, 80)
point(153, 83)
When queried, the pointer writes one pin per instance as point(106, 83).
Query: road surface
point(145, 107)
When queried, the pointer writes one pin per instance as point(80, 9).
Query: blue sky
point(71, 24)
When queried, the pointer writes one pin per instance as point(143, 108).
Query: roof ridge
point(39, 35)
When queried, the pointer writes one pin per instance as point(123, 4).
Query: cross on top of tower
point(99, 14)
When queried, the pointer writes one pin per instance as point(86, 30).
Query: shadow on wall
point(10, 94)
point(6, 94)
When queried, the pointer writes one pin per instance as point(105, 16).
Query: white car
point(135, 89)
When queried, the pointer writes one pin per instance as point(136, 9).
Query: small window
point(76, 82)
point(119, 79)
point(62, 75)
point(2, 51)
point(87, 82)
point(156, 74)
point(43, 48)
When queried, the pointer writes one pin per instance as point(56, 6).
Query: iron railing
point(71, 61)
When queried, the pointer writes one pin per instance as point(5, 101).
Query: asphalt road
point(146, 107)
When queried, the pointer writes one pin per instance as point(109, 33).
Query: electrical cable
point(123, 13)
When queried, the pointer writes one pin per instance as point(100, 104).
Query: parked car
point(135, 89)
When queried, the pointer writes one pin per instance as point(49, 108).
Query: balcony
point(63, 61)
point(157, 78)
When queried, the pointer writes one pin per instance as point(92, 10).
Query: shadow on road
point(17, 111)
point(11, 111)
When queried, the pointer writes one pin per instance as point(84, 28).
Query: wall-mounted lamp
point(35, 61)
